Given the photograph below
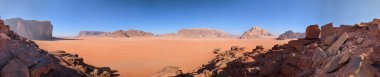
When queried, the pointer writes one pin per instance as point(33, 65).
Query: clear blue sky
point(167, 16)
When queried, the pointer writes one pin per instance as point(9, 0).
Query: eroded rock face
point(291, 35)
point(116, 34)
point(202, 33)
point(20, 57)
point(354, 52)
point(255, 32)
point(31, 29)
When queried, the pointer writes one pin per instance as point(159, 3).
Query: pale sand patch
point(142, 57)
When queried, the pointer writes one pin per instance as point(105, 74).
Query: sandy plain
point(143, 57)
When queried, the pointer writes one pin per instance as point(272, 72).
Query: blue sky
point(167, 16)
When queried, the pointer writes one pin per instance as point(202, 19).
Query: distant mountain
point(31, 29)
point(202, 33)
point(116, 34)
point(198, 33)
point(90, 33)
point(291, 35)
point(256, 32)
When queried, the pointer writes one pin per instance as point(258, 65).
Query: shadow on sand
point(58, 38)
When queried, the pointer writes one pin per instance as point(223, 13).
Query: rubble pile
point(345, 51)
point(20, 57)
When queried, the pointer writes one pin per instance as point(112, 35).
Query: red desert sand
point(143, 57)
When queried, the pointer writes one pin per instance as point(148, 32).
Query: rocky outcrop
point(168, 71)
point(31, 29)
point(20, 57)
point(352, 51)
point(255, 32)
point(116, 34)
point(202, 33)
point(291, 35)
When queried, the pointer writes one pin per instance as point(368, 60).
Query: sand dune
point(142, 57)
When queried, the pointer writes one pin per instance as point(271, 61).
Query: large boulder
point(312, 32)
point(291, 35)
point(255, 32)
point(31, 29)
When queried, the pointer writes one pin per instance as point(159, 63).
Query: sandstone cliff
point(291, 35)
point(20, 57)
point(31, 29)
point(256, 32)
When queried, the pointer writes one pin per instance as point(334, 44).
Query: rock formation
point(255, 32)
point(345, 51)
point(312, 32)
point(202, 33)
point(291, 35)
point(20, 57)
point(168, 71)
point(31, 29)
point(116, 34)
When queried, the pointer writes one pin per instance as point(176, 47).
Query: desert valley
point(189, 38)
point(135, 53)
point(143, 57)
point(191, 52)
point(196, 52)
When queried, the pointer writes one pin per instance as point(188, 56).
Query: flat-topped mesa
point(31, 29)
point(20, 57)
point(89, 33)
point(116, 34)
point(344, 51)
point(291, 35)
point(255, 32)
point(202, 33)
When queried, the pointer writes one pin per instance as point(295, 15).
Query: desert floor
point(143, 57)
